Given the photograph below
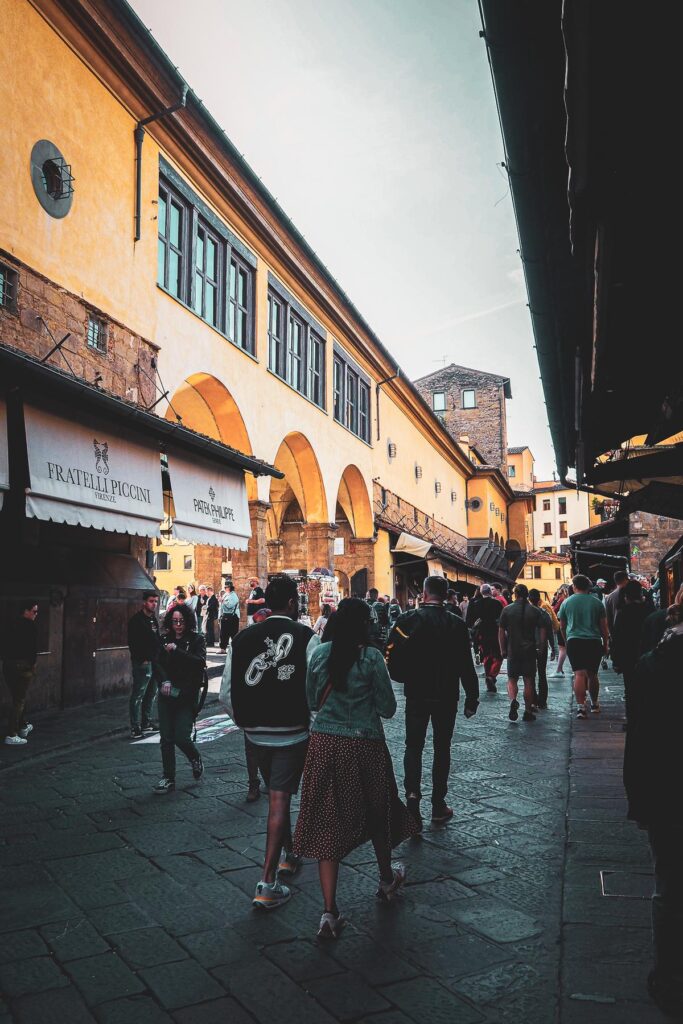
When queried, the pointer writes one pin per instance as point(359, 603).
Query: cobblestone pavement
point(118, 906)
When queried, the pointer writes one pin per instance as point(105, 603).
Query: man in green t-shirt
point(584, 623)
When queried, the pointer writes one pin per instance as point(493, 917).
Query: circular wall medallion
point(52, 179)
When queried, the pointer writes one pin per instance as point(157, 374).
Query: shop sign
point(210, 503)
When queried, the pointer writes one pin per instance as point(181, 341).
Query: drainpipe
point(139, 136)
point(379, 385)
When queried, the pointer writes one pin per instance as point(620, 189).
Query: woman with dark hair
point(349, 793)
point(321, 621)
point(182, 664)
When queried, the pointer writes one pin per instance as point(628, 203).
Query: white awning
point(4, 452)
point(90, 475)
point(210, 504)
point(410, 545)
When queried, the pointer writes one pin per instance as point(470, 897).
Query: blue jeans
point(142, 695)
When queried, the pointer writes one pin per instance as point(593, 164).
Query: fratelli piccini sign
point(83, 476)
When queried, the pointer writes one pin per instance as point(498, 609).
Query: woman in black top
point(182, 664)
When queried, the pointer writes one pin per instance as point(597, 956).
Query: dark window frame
point(436, 408)
point(281, 356)
point(100, 345)
point(351, 396)
point(9, 288)
point(469, 391)
point(561, 506)
point(196, 217)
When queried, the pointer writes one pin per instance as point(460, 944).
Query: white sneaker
point(15, 741)
point(26, 730)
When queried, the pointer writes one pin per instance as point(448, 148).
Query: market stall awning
point(4, 453)
point(86, 474)
point(410, 545)
point(210, 504)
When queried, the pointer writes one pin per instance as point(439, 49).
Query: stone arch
point(302, 482)
point(204, 404)
point(354, 500)
point(491, 536)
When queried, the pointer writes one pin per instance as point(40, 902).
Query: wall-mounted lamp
point(418, 472)
point(392, 450)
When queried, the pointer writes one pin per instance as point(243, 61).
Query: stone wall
point(486, 425)
point(43, 312)
point(653, 536)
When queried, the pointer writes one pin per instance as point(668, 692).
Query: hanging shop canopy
point(95, 460)
point(210, 504)
point(410, 545)
point(85, 474)
point(4, 452)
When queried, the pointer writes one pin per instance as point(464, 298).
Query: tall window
point(338, 390)
point(276, 322)
point(563, 529)
point(469, 398)
point(512, 471)
point(558, 574)
point(239, 303)
point(97, 334)
point(198, 263)
point(547, 529)
point(546, 504)
point(537, 572)
point(298, 356)
point(351, 392)
point(562, 506)
point(363, 410)
point(206, 276)
point(171, 245)
point(315, 368)
point(352, 400)
point(294, 352)
point(439, 401)
point(8, 288)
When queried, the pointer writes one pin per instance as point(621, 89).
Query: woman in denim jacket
point(349, 793)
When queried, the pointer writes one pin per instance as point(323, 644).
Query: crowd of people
point(311, 702)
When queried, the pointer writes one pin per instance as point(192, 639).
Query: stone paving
point(119, 906)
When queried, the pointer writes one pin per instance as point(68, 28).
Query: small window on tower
point(469, 398)
point(97, 334)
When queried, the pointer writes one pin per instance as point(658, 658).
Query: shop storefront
point(415, 558)
point(86, 481)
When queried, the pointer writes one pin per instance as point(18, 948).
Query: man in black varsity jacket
point(268, 698)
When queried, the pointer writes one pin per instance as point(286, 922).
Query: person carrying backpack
point(429, 652)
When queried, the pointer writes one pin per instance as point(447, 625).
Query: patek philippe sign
point(90, 475)
point(210, 504)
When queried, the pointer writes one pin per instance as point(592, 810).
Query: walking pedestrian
point(585, 623)
point(497, 592)
point(256, 599)
point(229, 616)
point(212, 610)
point(379, 619)
point(652, 772)
point(561, 595)
point(482, 616)
point(182, 667)
point(349, 793)
point(192, 598)
point(519, 625)
point(268, 701)
point(429, 652)
point(453, 603)
point(614, 602)
point(655, 625)
point(464, 605)
point(542, 648)
point(627, 637)
point(394, 611)
point(321, 621)
point(19, 656)
point(144, 646)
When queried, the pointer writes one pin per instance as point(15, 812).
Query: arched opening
point(354, 501)
point(355, 526)
point(302, 483)
point(491, 536)
point(204, 404)
point(496, 540)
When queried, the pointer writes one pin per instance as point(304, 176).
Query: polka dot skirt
point(348, 795)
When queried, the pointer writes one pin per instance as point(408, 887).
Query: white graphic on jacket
point(275, 652)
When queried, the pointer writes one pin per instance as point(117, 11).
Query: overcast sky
point(373, 123)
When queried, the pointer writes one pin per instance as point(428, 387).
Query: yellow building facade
point(184, 287)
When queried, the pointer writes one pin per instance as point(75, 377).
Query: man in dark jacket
point(19, 655)
point(652, 776)
point(268, 701)
point(543, 644)
point(143, 644)
point(212, 609)
point(379, 619)
point(627, 635)
point(482, 618)
point(429, 652)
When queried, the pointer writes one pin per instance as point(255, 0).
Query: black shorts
point(281, 767)
point(584, 655)
point(522, 664)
